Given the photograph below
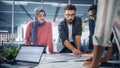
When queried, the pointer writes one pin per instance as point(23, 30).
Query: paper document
point(63, 57)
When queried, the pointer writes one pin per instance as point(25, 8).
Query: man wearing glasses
point(70, 30)
point(92, 14)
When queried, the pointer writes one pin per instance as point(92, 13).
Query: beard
point(70, 21)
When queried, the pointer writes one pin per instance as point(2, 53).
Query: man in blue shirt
point(92, 14)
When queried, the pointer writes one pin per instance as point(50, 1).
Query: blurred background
point(15, 15)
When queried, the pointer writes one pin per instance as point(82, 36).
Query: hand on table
point(76, 52)
point(55, 53)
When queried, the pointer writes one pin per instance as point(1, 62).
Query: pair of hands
point(76, 52)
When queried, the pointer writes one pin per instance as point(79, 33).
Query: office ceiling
point(23, 10)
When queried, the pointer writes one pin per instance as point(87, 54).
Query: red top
point(44, 35)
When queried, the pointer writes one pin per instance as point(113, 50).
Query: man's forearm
point(78, 41)
point(69, 45)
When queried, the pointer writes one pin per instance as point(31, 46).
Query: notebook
point(29, 55)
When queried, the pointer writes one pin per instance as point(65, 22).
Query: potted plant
point(10, 52)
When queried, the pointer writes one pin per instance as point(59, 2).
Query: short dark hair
point(92, 7)
point(70, 7)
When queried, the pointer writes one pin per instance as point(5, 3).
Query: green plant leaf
point(10, 52)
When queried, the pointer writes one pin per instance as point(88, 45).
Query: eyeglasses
point(68, 15)
point(94, 15)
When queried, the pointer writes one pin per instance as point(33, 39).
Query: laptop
point(29, 55)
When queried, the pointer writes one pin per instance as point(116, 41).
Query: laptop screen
point(30, 53)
